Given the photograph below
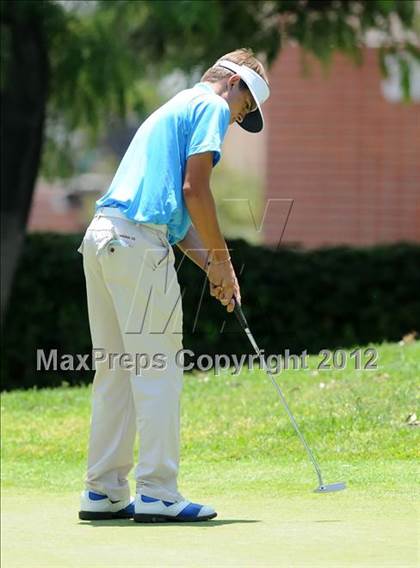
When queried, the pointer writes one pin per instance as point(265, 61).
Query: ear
point(233, 80)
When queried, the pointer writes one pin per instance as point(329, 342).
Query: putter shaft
point(242, 320)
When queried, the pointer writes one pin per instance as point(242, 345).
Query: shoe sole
point(93, 516)
point(143, 518)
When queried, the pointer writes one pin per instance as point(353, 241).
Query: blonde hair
point(242, 56)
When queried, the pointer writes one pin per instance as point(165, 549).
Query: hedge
point(293, 299)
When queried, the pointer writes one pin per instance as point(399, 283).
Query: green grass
point(236, 436)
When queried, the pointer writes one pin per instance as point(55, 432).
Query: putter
point(322, 487)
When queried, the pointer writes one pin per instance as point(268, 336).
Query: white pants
point(135, 308)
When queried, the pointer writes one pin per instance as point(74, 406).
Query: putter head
point(340, 486)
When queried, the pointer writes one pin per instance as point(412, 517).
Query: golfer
point(160, 196)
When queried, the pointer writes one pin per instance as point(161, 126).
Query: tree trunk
point(23, 106)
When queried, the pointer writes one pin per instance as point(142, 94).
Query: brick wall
point(51, 211)
point(348, 158)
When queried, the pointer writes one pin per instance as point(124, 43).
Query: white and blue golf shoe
point(98, 507)
point(151, 510)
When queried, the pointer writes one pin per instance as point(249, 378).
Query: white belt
point(116, 212)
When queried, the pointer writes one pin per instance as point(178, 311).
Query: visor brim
point(253, 122)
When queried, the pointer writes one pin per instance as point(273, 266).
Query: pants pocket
point(160, 257)
point(107, 237)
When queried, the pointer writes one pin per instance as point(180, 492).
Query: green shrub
point(297, 300)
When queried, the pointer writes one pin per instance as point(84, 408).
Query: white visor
point(253, 121)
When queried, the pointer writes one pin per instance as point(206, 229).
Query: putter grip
point(240, 314)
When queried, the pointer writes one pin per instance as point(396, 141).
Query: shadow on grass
point(131, 523)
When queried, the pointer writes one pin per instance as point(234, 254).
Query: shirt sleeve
point(209, 118)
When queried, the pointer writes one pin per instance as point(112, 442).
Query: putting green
point(337, 530)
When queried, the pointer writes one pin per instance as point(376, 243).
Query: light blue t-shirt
point(147, 186)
